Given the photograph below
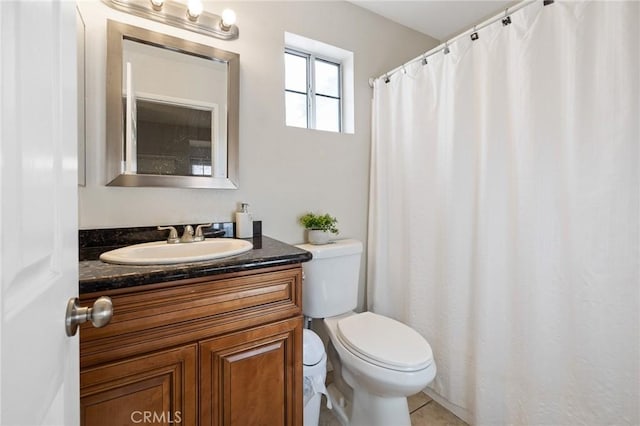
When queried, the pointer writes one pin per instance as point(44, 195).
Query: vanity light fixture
point(191, 17)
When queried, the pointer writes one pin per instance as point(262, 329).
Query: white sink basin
point(161, 253)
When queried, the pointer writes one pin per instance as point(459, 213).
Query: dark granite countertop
point(96, 275)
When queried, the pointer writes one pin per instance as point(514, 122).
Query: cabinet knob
point(99, 314)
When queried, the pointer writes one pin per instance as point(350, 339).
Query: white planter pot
point(318, 237)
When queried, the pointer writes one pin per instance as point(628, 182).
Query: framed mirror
point(172, 111)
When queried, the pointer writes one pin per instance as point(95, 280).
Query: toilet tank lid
point(333, 249)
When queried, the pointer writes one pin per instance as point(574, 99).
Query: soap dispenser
point(244, 222)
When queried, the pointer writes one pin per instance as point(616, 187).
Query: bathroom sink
point(162, 253)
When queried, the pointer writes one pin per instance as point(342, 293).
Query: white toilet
point(377, 361)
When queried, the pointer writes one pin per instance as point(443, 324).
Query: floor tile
point(434, 414)
point(418, 400)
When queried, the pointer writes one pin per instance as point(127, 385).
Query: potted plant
point(319, 227)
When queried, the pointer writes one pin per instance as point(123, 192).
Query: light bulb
point(194, 9)
point(157, 4)
point(228, 19)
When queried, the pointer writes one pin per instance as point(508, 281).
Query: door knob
point(99, 314)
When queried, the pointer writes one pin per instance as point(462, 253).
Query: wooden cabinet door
point(159, 388)
point(253, 377)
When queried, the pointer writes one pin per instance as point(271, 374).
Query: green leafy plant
point(324, 222)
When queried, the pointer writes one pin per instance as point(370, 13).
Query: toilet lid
point(385, 342)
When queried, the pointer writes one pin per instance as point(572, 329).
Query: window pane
point(327, 114)
point(327, 78)
point(296, 107)
point(295, 73)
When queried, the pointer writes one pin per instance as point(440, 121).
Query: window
point(313, 94)
point(319, 85)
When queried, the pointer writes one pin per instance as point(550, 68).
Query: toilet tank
point(331, 278)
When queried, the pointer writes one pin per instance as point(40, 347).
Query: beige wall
point(284, 171)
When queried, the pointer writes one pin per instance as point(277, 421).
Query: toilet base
point(341, 407)
point(373, 410)
point(368, 410)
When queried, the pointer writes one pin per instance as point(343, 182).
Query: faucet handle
point(199, 234)
point(173, 234)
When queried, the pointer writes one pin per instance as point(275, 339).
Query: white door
point(39, 369)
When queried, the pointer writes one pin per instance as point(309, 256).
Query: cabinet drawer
point(171, 314)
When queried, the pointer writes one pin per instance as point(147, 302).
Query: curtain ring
point(507, 19)
point(474, 34)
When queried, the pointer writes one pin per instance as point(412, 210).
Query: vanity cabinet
point(217, 350)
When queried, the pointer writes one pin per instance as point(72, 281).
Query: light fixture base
point(175, 14)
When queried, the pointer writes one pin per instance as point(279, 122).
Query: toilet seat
point(384, 342)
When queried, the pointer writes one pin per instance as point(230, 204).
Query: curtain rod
point(505, 17)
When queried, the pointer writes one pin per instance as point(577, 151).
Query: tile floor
point(424, 412)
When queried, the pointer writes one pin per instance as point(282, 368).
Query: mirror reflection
point(172, 139)
point(176, 111)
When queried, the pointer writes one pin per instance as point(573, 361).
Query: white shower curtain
point(504, 215)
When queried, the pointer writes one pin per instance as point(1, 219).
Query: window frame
point(311, 94)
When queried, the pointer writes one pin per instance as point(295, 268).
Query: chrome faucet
point(187, 235)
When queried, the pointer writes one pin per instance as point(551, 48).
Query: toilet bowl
point(377, 361)
point(387, 364)
point(381, 369)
